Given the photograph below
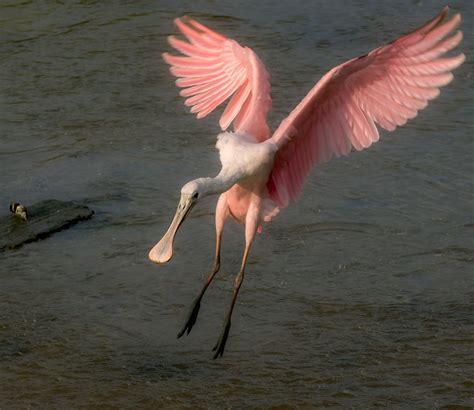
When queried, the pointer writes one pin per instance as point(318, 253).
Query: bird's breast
point(238, 199)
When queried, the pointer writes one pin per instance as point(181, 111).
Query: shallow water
point(361, 294)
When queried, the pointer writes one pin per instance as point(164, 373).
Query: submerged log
point(44, 218)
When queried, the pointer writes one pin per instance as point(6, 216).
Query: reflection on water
point(359, 295)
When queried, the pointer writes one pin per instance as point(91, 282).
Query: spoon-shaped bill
point(163, 251)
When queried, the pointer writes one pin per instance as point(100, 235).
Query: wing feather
point(213, 69)
point(386, 87)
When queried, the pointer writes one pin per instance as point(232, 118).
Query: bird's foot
point(192, 316)
point(220, 345)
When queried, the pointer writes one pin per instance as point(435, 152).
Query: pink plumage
point(386, 87)
point(262, 173)
point(214, 69)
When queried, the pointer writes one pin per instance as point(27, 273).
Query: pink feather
point(214, 69)
point(386, 87)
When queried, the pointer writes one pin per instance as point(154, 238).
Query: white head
point(194, 188)
point(190, 194)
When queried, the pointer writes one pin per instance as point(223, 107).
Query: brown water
point(361, 295)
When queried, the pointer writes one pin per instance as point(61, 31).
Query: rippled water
point(359, 295)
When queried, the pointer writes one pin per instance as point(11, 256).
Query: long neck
point(220, 183)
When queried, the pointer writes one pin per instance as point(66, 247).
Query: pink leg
point(222, 213)
point(251, 224)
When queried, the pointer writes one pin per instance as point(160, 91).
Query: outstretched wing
point(385, 87)
point(215, 68)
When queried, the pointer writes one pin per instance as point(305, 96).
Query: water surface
point(361, 294)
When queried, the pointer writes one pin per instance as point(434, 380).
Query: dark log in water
point(44, 218)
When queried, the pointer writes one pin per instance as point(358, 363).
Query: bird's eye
point(195, 195)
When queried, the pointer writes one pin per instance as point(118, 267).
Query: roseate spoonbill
point(262, 172)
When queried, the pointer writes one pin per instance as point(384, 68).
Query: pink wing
point(385, 87)
point(215, 68)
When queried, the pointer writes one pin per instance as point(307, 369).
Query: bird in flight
point(263, 171)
